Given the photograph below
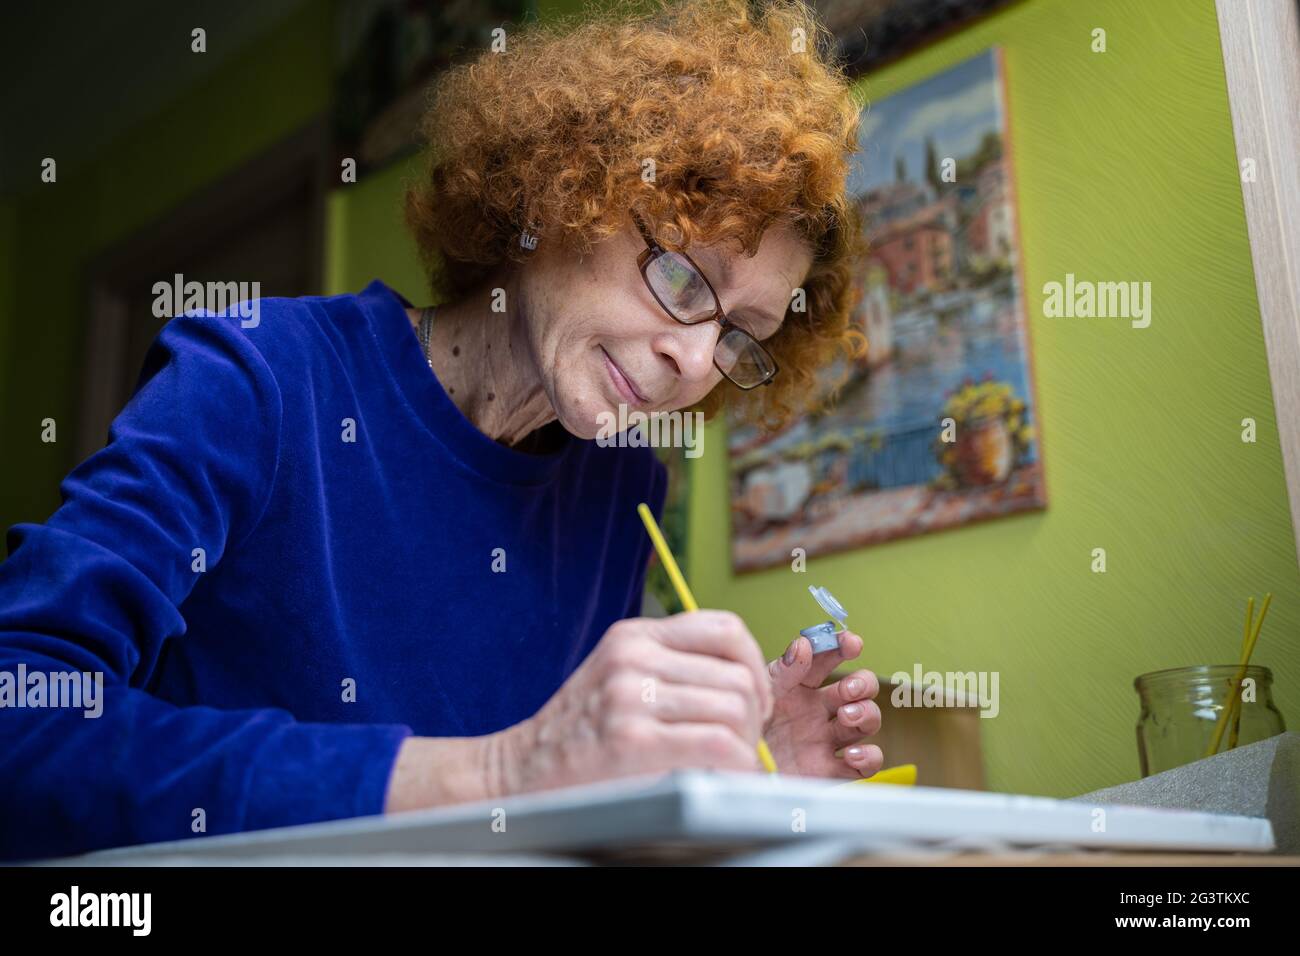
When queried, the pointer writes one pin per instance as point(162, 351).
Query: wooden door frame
point(234, 200)
point(1261, 61)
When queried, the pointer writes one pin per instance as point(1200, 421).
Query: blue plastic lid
point(828, 603)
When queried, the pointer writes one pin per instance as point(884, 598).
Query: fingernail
point(856, 686)
point(788, 656)
point(854, 752)
point(853, 711)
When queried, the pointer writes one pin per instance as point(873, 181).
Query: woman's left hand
point(810, 722)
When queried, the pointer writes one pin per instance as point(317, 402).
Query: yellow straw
point(1237, 702)
point(1236, 723)
point(1248, 648)
point(687, 599)
point(1234, 707)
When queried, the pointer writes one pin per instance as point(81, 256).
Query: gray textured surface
point(1258, 780)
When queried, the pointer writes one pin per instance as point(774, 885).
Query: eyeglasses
point(687, 296)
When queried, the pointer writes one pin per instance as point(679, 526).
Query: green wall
point(258, 97)
point(366, 238)
point(1126, 171)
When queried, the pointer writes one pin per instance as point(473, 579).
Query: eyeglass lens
point(684, 293)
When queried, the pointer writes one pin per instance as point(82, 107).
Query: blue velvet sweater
point(294, 552)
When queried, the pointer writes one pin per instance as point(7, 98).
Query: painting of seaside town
point(935, 427)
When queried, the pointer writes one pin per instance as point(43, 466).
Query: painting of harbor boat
point(936, 426)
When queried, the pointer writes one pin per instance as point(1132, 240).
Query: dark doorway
point(263, 223)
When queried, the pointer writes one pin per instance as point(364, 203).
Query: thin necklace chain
point(426, 332)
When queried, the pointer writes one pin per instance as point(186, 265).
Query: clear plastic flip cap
point(828, 604)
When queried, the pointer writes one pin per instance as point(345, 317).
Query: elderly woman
point(360, 557)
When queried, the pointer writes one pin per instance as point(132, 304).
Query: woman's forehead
point(780, 252)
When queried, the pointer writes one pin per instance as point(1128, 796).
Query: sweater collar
point(400, 346)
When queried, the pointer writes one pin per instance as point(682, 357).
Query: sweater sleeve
point(96, 592)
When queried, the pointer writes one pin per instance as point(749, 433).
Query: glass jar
point(1181, 707)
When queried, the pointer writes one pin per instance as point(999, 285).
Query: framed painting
point(936, 425)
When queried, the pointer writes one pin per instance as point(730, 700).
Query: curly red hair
point(748, 124)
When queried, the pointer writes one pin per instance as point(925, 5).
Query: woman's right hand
point(691, 690)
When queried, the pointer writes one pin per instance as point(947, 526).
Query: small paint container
point(826, 636)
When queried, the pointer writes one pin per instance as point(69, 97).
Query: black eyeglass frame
point(652, 252)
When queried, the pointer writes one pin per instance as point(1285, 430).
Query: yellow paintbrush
point(687, 599)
